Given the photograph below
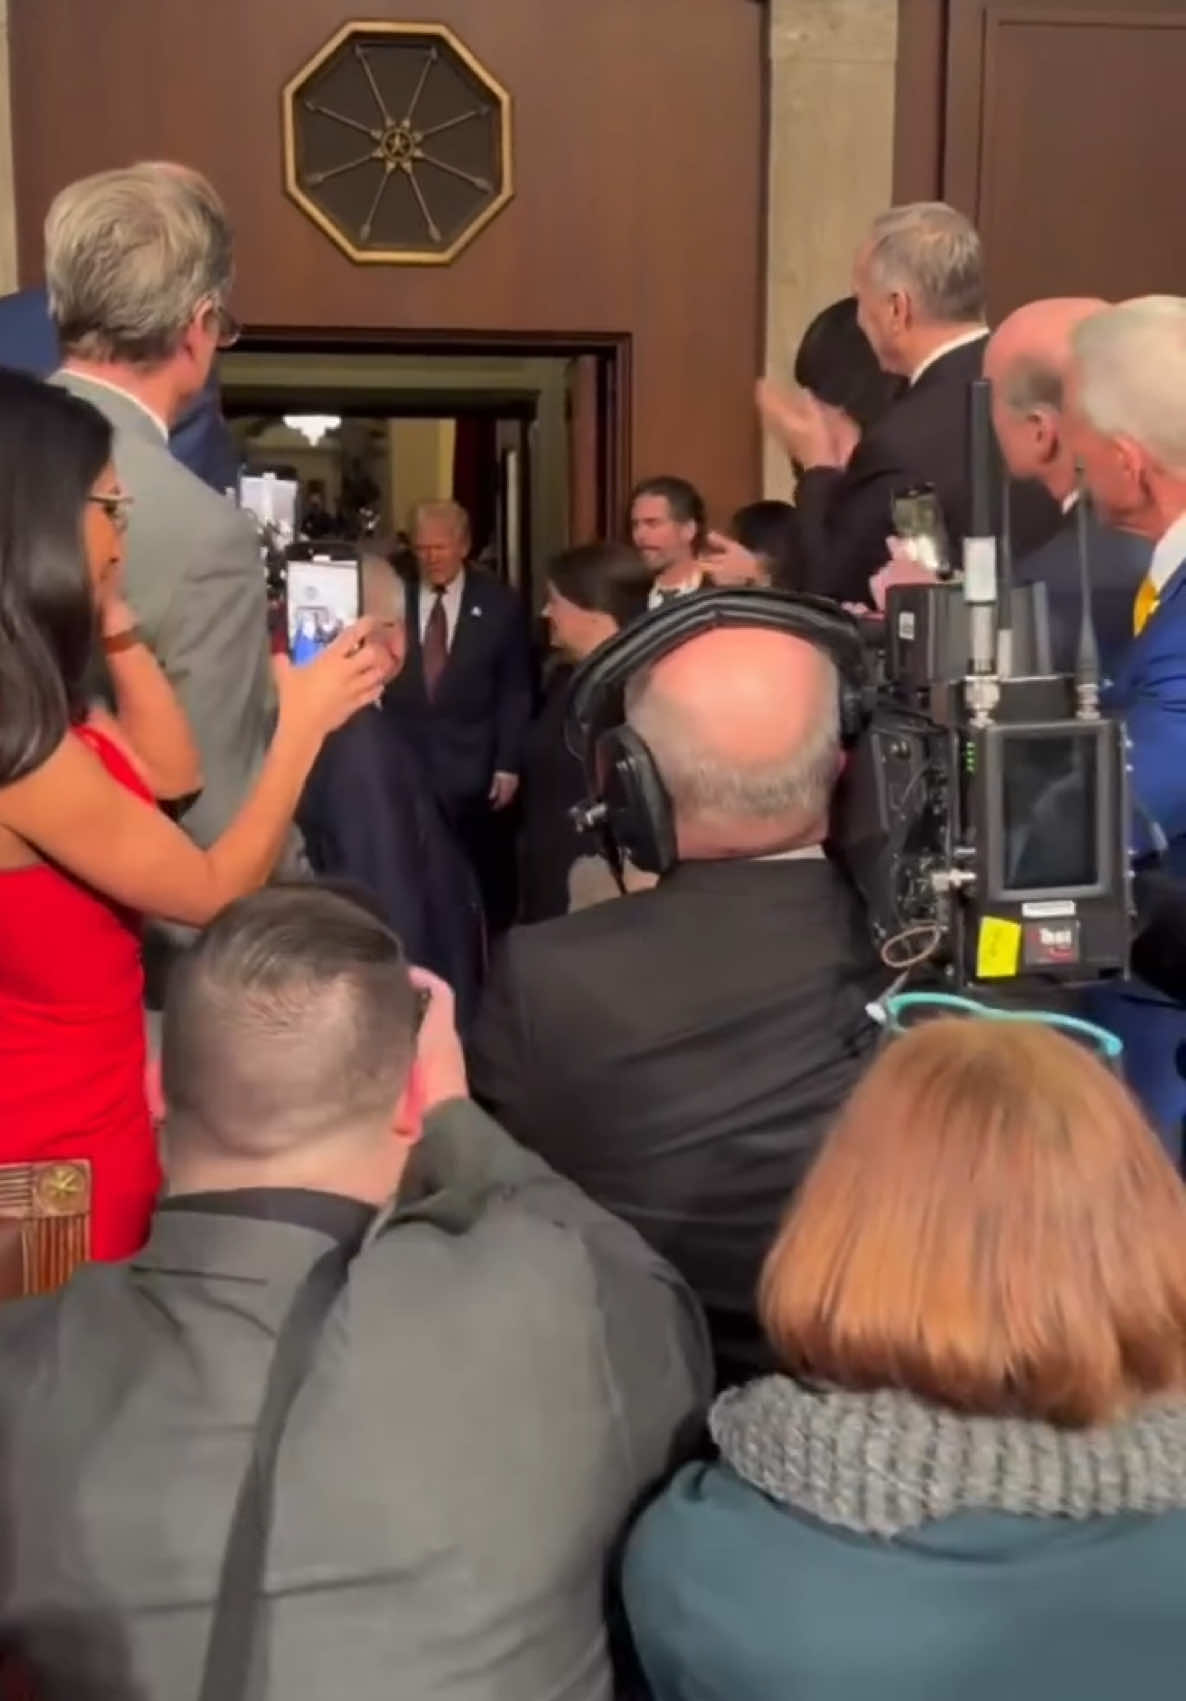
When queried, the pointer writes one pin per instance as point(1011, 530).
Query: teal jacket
point(734, 1596)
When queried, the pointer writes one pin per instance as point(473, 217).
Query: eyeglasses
point(229, 329)
point(894, 1014)
point(115, 504)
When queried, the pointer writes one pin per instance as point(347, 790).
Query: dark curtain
point(475, 474)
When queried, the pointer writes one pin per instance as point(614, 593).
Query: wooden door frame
point(614, 352)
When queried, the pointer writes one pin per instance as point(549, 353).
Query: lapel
point(1135, 654)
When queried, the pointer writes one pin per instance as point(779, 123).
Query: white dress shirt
point(661, 594)
point(962, 341)
point(118, 390)
point(451, 600)
point(1169, 555)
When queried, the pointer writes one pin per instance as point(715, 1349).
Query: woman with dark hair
point(593, 590)
point(83, 848)
point(767, 531)
point(970, 1478)
point(835, 362)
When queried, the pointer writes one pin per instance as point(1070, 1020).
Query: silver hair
point(383, 592)
point(931, 253)
point(1131, 365)
point(129, 257)
point(705, 785)
point(444, 513)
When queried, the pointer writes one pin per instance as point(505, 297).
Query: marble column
point(831, 163)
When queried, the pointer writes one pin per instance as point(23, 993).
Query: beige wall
point(421, 453)
point(831, 162)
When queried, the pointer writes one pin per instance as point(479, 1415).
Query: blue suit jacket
point(1118, 562)
point(1148, 687)
point(368, 816)
point(200, 440)
point(477, 722)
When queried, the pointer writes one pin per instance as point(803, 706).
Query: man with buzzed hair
point(1028, 360)
point(465, 694)
point(504, 1368)
point(679, 1052)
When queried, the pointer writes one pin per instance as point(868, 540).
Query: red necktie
point(434, 647)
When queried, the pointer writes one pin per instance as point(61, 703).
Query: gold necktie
point(1147, 600)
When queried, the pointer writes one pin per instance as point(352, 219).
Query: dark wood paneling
point(918, 100)
point(1063, 122)
point(638, 141)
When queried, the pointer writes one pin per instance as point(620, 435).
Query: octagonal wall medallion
point(397, 142)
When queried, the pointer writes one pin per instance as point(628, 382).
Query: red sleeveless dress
point(72, 1046)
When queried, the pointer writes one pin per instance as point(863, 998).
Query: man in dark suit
point(1126, 420)
point(919, 284)
point(465, 694)
point(369, 816)
point(680, 1052)
point(1027, 359)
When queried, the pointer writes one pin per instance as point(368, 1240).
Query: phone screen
point(322, 598)
point(273, 504)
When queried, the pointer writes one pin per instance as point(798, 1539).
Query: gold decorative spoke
point(341, 118)
point(317, 178)
point(361, 55)
point(369, 222)
point(433, 231)
point(453, 170)
point(450, 123)
point(430, 61)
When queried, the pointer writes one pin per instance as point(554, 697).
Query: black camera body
point(984, 814)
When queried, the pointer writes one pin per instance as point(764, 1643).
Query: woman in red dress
point(84, 850)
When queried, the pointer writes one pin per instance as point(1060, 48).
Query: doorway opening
point(531, 436)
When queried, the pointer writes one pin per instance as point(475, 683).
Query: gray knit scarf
point(886, 1462)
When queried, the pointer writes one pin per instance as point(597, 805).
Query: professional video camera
point(984, 814)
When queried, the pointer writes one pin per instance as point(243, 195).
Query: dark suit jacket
point(680, 1053)
point(1118, 562)
point(476, 723)
point(845, 517)
point(368, 815)
point(553, 782)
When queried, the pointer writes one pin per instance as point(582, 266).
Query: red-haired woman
point(970, 1480)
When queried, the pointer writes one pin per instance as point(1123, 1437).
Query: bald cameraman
point(679, 1052)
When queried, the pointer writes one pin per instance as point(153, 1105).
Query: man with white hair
point(918, 278)
point(370, 818)
point(679, 1052)
point(1126, 413)
point(1027, 360)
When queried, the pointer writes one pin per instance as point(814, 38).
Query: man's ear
point(1044, 428)
point(407, 1123)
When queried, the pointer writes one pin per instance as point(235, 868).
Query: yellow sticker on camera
point(998, 948)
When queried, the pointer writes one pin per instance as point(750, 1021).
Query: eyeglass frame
point(1109, 1045)
point(115, 504)
point(229, 328)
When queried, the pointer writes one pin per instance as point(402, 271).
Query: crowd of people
point(522, 1265)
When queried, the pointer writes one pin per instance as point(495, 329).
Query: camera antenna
point(982, 686)
point(1005, 629)
point(1087, 655)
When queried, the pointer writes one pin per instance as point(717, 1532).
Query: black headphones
point(626, 798)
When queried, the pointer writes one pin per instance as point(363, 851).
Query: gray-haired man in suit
point(138, 270)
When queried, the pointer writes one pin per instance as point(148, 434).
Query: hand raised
point(322, 696)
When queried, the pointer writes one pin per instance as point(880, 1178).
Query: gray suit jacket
point(193, 577)
point(508, 1369)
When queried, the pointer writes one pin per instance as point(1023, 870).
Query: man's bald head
point(1028, 359)
point(744, 727)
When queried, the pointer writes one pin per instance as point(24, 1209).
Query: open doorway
point(532, 438)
